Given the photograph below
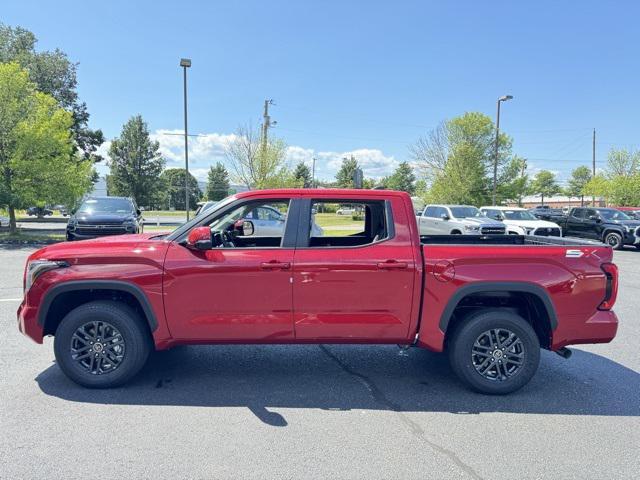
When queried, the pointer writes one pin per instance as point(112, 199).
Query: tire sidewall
point(618, 246)
point(465, 336)
point(122, 318)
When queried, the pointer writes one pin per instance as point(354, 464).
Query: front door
point(239, 290)
point(354, 281)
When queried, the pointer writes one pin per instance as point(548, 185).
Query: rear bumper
point(601, 327)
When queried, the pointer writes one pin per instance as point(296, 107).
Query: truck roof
point(321, 192)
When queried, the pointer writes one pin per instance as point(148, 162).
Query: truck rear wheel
point(101, 344)
point(494, 351)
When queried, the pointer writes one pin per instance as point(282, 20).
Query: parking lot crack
point(416, 430)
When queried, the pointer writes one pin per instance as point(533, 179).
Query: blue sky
point(367, 77)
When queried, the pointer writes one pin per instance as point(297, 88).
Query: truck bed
point(505, 240)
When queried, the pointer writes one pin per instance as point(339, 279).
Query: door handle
point(392, 265)
point(274, 265)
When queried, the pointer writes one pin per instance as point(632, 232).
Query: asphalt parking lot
point(319, 411)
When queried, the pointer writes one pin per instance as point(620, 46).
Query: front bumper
point(632, 237)
point(87, 234)
point(28, 322)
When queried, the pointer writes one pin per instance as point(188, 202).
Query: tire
point(469, 338)
point(614, 240)
point(118, 360)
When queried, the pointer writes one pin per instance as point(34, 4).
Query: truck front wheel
point(101, 344)
point(494, 351)
point(614, 240)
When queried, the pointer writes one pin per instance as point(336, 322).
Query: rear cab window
point(367, 222)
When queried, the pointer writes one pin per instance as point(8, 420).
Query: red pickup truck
point(490, 301)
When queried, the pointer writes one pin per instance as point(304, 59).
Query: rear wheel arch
point(529, 301)
point(65, 297)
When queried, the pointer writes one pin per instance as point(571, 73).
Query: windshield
point(106, 205)
point(187, 226)
point(465, 212)
point(613, 215)
point(518, 215)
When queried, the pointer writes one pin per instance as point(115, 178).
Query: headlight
point(36, 268)
point(471, 228)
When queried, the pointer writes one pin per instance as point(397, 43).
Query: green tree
point(136, 164)
point(217, 182)
point(402, 179)
point(37, 162)
point(457, 159)
point(513, 183)
point(257, 165)
point(623, 162)
point(303, 175)
point(545, 184)
point(344, 177)
point(580, 176)
point(173, 180)
point(53, 73)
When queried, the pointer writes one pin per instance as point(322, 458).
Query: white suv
point(457, 220)
point(520, 221)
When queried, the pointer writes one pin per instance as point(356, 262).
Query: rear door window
point(367, 223)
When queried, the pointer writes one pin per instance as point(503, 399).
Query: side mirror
point(138, 211)
point(199, 239)
point(500, 218)
point(247, 228)
point(444, 216)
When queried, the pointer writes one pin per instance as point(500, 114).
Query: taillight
point(611, 292)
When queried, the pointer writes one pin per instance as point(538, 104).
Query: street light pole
point(186, 63)
point(495, 155)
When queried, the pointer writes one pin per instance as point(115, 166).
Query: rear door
point(356, 281)
point(575, 224)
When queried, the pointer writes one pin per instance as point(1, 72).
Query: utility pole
point(522, 170)
point(266, 123)
point(593, 169)
point(313, 173)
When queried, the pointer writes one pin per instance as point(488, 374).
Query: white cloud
point(206, 150)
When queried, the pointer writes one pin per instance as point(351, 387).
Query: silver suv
point(457, 220)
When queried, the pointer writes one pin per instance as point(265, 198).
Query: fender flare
point(78, 285)
point(478, 287)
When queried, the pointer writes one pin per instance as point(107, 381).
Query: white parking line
point(10, 299)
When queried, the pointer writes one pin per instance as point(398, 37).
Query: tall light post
point(495, 155)
point(186, 63)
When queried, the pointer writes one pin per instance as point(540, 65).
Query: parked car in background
point(100, 216)
point(633, 212)
point(203, 206)
point(346, 211)
point(457, 220)
point(520, 221)
point(39, 212)
point(607, 225)
point(64, 211)
point(4, 221)
point(492, 302)
point(268, 221)
point(544, 212)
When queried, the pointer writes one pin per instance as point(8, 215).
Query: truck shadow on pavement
point(332, 377)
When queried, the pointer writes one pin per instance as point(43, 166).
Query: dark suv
point(99, 216)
